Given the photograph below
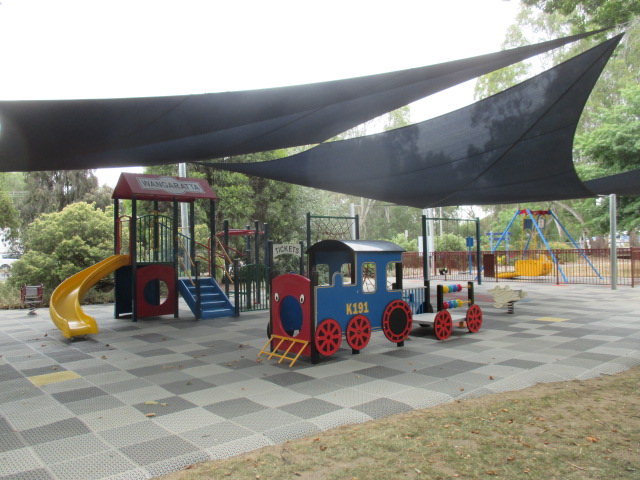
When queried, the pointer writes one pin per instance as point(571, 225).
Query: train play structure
point(442, 319)
point(355, 289)
point(153, 262)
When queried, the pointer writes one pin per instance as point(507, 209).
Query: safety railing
point(560, 266)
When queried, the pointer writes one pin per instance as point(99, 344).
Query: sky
point(61, 49)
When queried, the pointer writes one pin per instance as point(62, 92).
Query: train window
point(394, 272)
point(347, 274)
point(368, 277)
point(323, 273)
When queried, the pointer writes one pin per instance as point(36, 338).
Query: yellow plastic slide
point(64, 306)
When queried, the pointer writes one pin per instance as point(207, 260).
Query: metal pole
point(117, 237)
point(212, 238)
point(174, 242)
point(184, 214)
point(352, 213)
point(478, 251)
point(613, 243)
point(134, 258)
point(192, 233)
point(426, 274)
point(225, 240)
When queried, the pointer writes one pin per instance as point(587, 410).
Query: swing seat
point(533, 267)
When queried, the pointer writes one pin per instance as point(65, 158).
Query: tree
point(450, 243)
point(9, 217)
point(586, 14)
point(51, 191)
point(546, 19)
point(244, 199)
point(614, 146)
point(58, 245)
point(8, 214)
point(408, 243)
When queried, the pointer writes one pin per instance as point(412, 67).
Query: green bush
point(58, 245)
point(450, 243)
point(9, 296)
point(410, 245)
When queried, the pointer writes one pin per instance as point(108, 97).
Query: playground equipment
point(64, 306)
point(543, 265)
point(444, 269)
point(443, 320)
point(152, 265)
point(247, 274)
point(347, 295)
point(506, 296)
point(31, 296)
point(532, 267)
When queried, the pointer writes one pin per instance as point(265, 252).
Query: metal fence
point(588, 266)
point(252, 284)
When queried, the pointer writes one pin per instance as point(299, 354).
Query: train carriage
point(354, 290)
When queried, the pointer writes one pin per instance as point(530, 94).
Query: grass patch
point(568, 430)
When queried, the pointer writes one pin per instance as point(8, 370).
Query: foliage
point(450, 243)
point(51, 191)
point(408, 243)
point(244, 199)
point(61, 244)
point(586, 14)
point(541, 20)
point(8, 213)
point(613, 145)
point(9, 296)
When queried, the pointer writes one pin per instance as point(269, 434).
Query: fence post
point(633, 275)
point(236, 287)
point(225, 240)
point(198, 296)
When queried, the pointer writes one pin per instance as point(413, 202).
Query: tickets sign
point(286, 249)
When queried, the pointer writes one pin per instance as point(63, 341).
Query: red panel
point(165, 274)
point(298, 287)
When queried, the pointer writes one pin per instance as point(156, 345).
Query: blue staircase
point(213, 302)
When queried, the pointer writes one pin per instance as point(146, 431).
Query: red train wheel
point(358, 332)
point(474, 318)
point(328, 337)
point(397, 321)
point(442, 325)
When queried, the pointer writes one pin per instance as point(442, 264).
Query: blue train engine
point(355, 289)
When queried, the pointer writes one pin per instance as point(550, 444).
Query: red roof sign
point(162, 187)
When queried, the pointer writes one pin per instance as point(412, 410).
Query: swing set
point(536, 221)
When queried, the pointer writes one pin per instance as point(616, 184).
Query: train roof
point(355, 246)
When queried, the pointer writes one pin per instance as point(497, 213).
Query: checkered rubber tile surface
point(144, 399)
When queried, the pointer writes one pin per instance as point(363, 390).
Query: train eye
point(302, 298)
point(276, 297)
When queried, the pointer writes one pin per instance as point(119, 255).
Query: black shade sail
point(513, 147)
point(83, 134)
point(627, 183)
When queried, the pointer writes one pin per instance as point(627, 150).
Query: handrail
point(182, 239)
point(183, 267)
point(119, 235)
